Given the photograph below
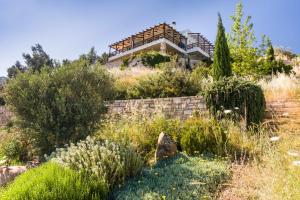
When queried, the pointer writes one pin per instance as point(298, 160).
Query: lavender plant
point(101, 159)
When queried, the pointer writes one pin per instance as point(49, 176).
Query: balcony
point(147, 36)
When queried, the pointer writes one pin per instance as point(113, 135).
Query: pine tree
point(221, 65)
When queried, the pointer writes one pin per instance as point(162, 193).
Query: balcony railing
point(208, 48)
point(202, 43)
point(149, 40)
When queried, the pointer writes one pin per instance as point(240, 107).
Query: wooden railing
point(202, 43)
point(208, 48)
point(149, 40)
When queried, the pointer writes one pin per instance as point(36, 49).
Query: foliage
point(2, 101)
point(221, 64)
point(62, 105)
point(172, 82)
point(153, 58)
point(13, 150)
point(241, 40)
point(15, 69)
point(274, 67)
point(125, 63)
point(269, 65)
point(180, 177)
point(114, 163)
point(203, 136)
point(103, 59)
point(270, 54)
point(141, 132)
point(237, 94)
point(51, 181)
point(38, 59)
point(195, 136)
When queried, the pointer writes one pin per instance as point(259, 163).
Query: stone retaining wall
point(176, 107)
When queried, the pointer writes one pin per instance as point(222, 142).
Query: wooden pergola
point(159, 31)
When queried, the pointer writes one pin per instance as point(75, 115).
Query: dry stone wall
point(176, 107)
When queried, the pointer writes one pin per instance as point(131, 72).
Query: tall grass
point(280, 86)
point(52, 181)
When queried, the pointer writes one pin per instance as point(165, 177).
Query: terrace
point(184, 43)
point(147, 36)
point(200, 41)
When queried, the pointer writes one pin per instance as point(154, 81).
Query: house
point(190, 47)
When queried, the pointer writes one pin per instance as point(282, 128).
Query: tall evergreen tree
point(270, 55)
point(221, 65)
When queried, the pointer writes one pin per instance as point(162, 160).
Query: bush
point(274, 67)
point(203, 136)
point(222, 138)
point(60, 105)
point(142, 133)
point(153, 58)
point(172, 82)
point(52, 181)
point(237, 94)
point(13, 150)
point(99, 160)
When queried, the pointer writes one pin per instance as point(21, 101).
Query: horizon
point(70, 28)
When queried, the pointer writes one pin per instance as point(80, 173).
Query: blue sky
point(68, 28)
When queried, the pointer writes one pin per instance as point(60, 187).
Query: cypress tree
point(270, 55)
point(221, 65)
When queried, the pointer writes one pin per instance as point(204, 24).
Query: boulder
point(166, 147)
point(8, 173)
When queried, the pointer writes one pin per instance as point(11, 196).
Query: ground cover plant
point(180, 177)
point(52, 181)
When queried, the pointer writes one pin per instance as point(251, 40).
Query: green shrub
point(153, 58)
point(243, 96)
point(173, 82)
point(13, 150)
point(125, 63)
point(274, 67)
point(52, 181)
point(104, 159)
point(61, 105)
point(203, 135)
point(180, 177)
point(142, 133)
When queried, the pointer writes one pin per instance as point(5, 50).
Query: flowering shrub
point(101, 159)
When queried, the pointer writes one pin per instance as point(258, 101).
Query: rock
point(166, 147)
point(7, 174)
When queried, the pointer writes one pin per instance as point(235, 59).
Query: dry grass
point(132, 72)
point(280, 177)
point(274, 176)
point(280, 87)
